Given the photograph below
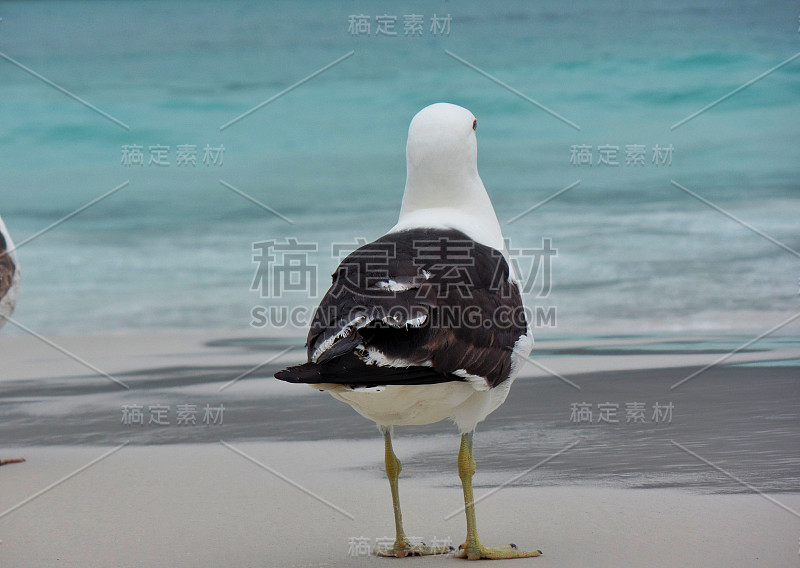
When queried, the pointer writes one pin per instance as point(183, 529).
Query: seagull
point(9, 288)
point(426, 323)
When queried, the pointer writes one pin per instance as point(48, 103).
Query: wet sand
point(638, 491)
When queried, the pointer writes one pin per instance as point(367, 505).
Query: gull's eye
point(475, 124)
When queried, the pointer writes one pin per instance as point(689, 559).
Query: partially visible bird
point(427, 322)
point(9, 274)
point(9, 287)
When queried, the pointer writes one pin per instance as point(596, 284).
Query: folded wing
point(415, 307)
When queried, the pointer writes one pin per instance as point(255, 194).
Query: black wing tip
point(290, 375)
point(350, 371)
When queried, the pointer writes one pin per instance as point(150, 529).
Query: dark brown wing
point(426, 303)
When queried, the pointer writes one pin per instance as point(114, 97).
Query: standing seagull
point(427, 322)
point(9, 287)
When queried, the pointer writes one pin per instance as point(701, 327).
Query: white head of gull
point(426, 323)
point(443, 187)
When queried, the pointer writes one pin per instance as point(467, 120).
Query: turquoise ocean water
point(173, 249)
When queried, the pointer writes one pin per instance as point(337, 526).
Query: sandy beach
point(205, 505)
point(182, 182)
point(278, 475)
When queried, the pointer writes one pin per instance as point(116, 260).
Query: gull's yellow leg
point(402, 547)
point(472, 549)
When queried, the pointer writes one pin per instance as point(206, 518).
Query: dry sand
point(204, 505)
